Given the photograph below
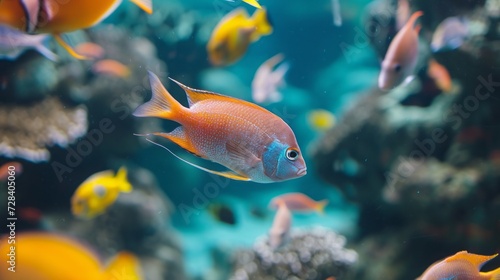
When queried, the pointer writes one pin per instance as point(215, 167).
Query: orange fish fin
point(145, 5)
point(413, 19)
point(179, 137)
point(68, 48)
point(320, 207)
point(196, 95)
point(227, 174)
point(123, 266)
point(241, 155)
point(161, 105)
point(476, 260)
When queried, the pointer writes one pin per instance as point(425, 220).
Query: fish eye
point(292, 154)
point(397, 68)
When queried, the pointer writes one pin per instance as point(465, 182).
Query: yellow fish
point(461, 266)
point(234, 33)
point(46, 256)
point(98, 192)
point(321, 120)
point(56, 17)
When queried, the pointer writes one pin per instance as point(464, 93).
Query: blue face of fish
point(282, 162)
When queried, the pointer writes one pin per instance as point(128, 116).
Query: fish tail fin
point(68, 48)
point(262, 23)
point(123, 266)
point(145, 5)
point(162, 104)
point(121, 175)
point(253, 3)
point(320, 208)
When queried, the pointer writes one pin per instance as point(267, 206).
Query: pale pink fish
point(298, 202)
point(266, 82)
point(280, 230)
point(402, 13)
point(401, 57)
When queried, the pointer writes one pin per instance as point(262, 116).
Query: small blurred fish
point(440, 75)
point(266, 82)
point(233, 34)
point(337, 17)
point(402, 13)
point(222, 213)
point(68, 260)
point(111, 68)
point(90, 50)
point(50, 16)
point(298, 202)
point(462, 265)
point(9, 168)
point(321, 120)
point(401, 57)
point(98, 192)
point(280, 230)
point(252, 142)
point(450, 34)
point(13, 43)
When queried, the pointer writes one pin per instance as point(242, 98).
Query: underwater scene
point(249, 140)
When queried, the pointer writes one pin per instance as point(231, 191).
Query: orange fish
point(56, 17)
point(462, 265)
point(90, 50)
point(252, 142)
point(401, 57)
point(10, 168)
point(112, 68)
point(299, 202)
point(440, 75)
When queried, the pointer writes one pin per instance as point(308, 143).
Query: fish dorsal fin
point(227, 174)
point(476, 260)
point(413, 19)
point(196, 95)
point(241, 155)
point(99, 175)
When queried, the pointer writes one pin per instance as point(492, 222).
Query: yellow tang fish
point(56, 17)
point(48, 256)
point(249, 140)
point(321, 120)
point(234, 33)
point(462, 265)
point(98, 192)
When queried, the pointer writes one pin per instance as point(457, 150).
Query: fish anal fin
point(241, 155)
point(227, 174)
point(68, 48)
point(178, 136)
point(145, 5)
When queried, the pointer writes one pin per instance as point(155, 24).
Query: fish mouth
point(302, 172)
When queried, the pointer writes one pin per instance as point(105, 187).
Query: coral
point(316, 253)
point(27, 130)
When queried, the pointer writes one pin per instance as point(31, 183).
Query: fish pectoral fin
point(227, 174)
point(241, 154)
point(68, 48)
point(145, 5)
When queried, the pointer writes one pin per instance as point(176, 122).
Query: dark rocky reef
point(422, 164)
point(316, 253)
